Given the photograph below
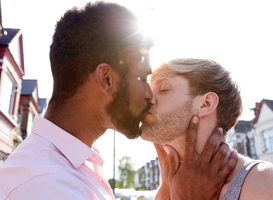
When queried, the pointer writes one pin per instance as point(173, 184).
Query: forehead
point(178, 81)
point(141, 64)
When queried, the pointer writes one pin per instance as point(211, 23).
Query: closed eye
point(165, 87)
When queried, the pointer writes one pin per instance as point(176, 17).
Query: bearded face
point(171, 110)
point(164, 127)
point(121, 113)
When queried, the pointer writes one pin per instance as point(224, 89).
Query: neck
point(74, 119)
point(204, 131)
point(203, 134)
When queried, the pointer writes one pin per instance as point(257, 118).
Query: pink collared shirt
point(52, 164)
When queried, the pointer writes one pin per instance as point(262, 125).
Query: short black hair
point(86, 37)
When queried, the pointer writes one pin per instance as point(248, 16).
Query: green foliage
point(139, 187)
point(118, 183)
point(111, 182)
point(127, 173)
point(16, 142)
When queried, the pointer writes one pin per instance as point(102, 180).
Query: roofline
point(36, 86)
point(259, 111)
point(255, 120)
point(268, 104)
point(6, 55)
point(16, 36)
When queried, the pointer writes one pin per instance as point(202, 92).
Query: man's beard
point(167, 126)
point(121, 115)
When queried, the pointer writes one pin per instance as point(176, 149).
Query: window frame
point(267, 136)
point(12, 94)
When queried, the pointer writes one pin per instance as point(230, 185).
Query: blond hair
point(208, 76)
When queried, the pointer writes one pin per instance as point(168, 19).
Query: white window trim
point(9, 115)
point(264, 143)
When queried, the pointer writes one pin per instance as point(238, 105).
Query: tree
point(127, 172)
point(118, 183)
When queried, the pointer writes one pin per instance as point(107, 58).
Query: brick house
point(11, 75)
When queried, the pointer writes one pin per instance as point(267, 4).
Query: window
point(8, 90)
point(151, 175)
point(5, 130)
point(142, 177)
point(20, 115)
point(156, 174)
point(268, 140)
point(30, 122)
point(252, 147)
point(14, 47)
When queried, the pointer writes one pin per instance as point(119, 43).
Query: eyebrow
point(157, 82)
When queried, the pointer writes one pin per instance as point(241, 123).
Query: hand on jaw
point(195, 177)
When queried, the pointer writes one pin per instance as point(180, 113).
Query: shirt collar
point(73, 149)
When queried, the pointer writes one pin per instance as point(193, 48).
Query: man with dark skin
point(100, 62)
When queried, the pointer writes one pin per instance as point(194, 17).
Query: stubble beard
point(121, 115)
point(166, 127)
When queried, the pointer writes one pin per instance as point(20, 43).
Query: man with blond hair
point(100, 63)
point(201, 89)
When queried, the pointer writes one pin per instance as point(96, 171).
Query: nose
point(153, 100)
point(148, 93)
point(150, 97)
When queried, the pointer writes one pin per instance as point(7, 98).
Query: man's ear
point(104, 77)
point(208, 104)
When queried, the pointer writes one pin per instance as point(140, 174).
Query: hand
point(199, 178)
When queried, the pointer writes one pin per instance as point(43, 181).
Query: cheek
point(167, 103)
point(136, 91)
point(137, 99)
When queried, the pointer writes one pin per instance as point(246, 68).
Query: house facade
point(11, 75)
point(242, 138)
point(263, 126)
point(29, 106)
point(149, 175)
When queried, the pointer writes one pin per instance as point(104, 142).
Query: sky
point(236, 33)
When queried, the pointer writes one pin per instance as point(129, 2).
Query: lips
point(150, 112)
point(147, 114)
